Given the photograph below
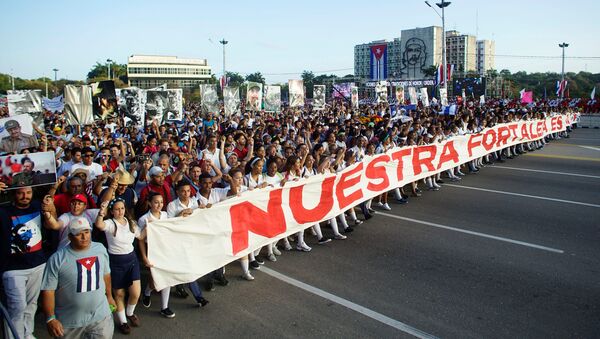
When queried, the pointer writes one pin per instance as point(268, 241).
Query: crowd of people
point(81, 242)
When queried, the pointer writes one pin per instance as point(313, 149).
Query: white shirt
point(254, 183)
point(119, 237)
point(144, 219)
point(94, 169)
point(66, 218)
point(214, 157)
point(216, 195)
point(176, 206)
point(275, 180)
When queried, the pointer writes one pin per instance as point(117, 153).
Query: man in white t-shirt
point(78, 211)
point(211, 152)
point(88, 164)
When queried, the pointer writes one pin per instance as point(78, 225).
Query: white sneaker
point(287, 246)
point(247, 276)
point(276, 251)
point(386, 207)
point(303, 248)
point(340, 237)
point(272, 257)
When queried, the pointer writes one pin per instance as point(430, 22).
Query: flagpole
point(224, 42)
point(563, 46)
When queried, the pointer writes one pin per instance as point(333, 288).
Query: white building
point(461, 51)
point(149, 71)
point(486, 49)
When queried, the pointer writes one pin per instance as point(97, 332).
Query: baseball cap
point(80, 197)
point(155, 171)
point(11, 124)
point(78, 225)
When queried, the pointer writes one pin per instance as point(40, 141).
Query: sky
point(280, 39)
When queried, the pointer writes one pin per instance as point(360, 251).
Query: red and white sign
point(184, 249)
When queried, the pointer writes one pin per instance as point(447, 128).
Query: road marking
point(483, 235)
point(561, 157)
point(549, 172)
point(525, 195)
point(348, 304)
point(590, 147)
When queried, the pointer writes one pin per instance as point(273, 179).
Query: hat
point(57, 129)
point(11, 124)
point(78, 225)
point(154, 171)
point(80, 170)
point(80, 197)
point(125, 178)
point(371, 124)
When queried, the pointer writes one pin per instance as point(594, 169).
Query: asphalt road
point(509, 252)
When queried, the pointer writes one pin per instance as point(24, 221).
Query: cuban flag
point(379, 62)
point(88, 274)
point(439, 77)
point(224, 81)
point(560, 88)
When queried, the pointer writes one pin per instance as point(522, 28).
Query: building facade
point(486, 49)
point(461, 51)
point(407, 58)
point(421, 49)
point(149, 71)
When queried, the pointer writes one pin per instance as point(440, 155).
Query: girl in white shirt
point(124, 267)
point(155, 203)
point(324, 168)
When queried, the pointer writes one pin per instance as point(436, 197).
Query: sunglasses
point(88, 155)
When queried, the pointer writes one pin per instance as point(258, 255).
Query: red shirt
point(164, 190)
point(241, 153)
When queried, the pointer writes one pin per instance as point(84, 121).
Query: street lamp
point(55, 72)
point(224, 42)
point(109, 62)
point(442, 5)
point(563, 46)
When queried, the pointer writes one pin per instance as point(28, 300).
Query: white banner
point(296, 93)
point(184, 249)
point(272, 98)
point(443, 97)
point(412, 95)
point(318, 97)
point(231, 100)
point(354, 96)
point(209, 98)
point(24, 101)
point(78, 105)
point(424, 97)
point(381, 93)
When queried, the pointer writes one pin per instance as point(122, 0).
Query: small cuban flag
point(88, 274)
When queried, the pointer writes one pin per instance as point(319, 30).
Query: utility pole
point(224, 42)
point(562, 77)
point(55, 71)
point(109, 62)
point(443, 5)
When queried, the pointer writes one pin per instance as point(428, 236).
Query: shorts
point(124, 270)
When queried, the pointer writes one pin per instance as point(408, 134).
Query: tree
point(308, 78)
point(255, 77)
point(430, 71)
point(235, 79)
point(100, 72)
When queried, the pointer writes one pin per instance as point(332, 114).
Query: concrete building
point(461, 52)
point(421, 49)
point(486, 49)
point(362, 58)
point(149, 71)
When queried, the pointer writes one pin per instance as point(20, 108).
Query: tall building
point(149, 71)
point(421, 49)
point(486, 49)
point(407, 57)
point(363, 60)
point(461, 51)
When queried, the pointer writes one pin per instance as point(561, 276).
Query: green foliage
point(580, 84)
point(235, 79)
point(99, 72)
point(255, 77)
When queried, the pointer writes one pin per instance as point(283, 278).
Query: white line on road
point(549, 172)
point(346, 303)
point(525, 195)
point(590, 147)
point(489, 236)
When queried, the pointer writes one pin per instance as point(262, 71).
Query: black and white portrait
point(319, 97)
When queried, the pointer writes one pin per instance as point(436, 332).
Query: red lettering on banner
point(553, 124)
point(398, 156)
point(427, 161)
point(448, 154)
point(532, 135)
point(473, 143)
point(513, 130)
point(375, 172)
point(503, 135)
point(305, 215)
point(539, 128)
point(489, 144)
point(524, 133)
point(345, 183)
point(559, 123)
point(246, 217)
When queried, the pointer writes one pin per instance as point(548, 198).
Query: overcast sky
point(281, 38)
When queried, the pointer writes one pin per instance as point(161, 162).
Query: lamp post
point(442, 5)
point(224, 42)
point(562, 77)
point(109, 61)
point(55, 72)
